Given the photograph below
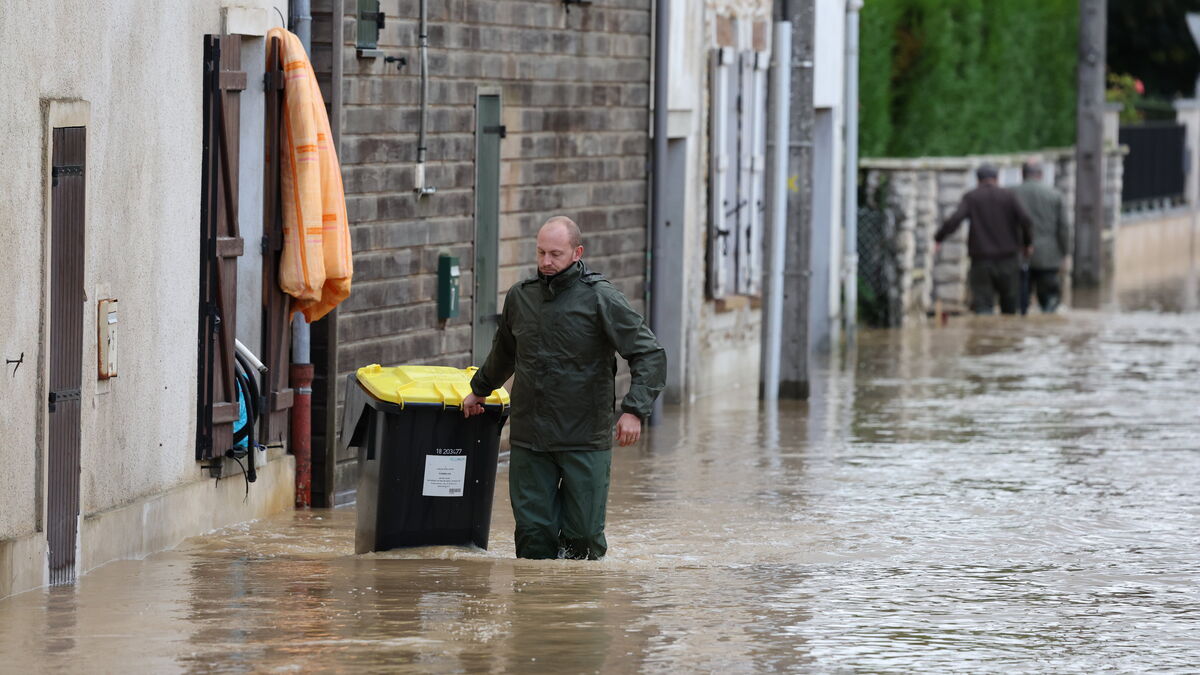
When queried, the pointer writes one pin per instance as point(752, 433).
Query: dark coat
point(1000, 227)
point(560, 336)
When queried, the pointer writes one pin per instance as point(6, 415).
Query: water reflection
point(998, 494)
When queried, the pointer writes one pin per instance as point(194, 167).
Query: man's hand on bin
point(629, 429)
point(472, 405)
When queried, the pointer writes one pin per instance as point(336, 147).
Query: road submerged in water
point(1000, 494)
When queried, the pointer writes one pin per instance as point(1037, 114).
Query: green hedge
point(957, 77)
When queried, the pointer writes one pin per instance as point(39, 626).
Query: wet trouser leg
point(533, 490)
point(979, 279)
point(1006, 275)
point(584, 498)
point(1026, 287)
point(1048, 288)
point(559, 501)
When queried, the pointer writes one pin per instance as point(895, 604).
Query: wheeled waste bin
point(426, 474)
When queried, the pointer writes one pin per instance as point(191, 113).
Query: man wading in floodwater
point(559, 332)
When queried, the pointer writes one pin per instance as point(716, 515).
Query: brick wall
point(574, 89)
point(575, 92)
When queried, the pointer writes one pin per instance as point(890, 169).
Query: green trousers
point(558, 500)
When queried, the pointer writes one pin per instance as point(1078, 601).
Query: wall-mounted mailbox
point(106, 338)
point(447, 297)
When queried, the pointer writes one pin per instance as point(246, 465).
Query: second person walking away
point(560, 332)
point(1051, 235)
point(999, 233)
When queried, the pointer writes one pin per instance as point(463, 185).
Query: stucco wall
point(139, 72)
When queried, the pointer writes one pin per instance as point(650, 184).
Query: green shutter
point(368, 24)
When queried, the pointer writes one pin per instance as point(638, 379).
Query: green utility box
point(448, 273)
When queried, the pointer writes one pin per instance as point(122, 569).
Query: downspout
point(657, 170)
point(420, 188)
point(336, 40)
point(780, 97)
point(850, 178)
point(301, 373)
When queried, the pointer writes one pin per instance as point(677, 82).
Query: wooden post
point(1089, 145)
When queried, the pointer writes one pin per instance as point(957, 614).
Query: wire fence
point(878, 276)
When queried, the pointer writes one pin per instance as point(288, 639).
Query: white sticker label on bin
point(444, 476)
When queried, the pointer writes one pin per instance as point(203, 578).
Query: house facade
point(104, 175)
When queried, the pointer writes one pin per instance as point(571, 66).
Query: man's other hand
point(472, 405)
point(1029, 251)
point(629, 429)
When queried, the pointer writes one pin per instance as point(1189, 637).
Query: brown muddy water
point(1000, 495)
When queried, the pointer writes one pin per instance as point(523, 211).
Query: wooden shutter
point(220, 245)
point(751, 177)
point(277, 332)
point(67, 297)
point(723, 175)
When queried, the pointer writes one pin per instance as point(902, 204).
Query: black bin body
point(404, 454)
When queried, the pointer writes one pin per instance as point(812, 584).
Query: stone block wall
point(575, 90)
point(574, 87)
point(921, 193)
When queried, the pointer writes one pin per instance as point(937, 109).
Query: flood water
point(997, 495)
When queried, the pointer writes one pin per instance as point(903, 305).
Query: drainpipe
point(780, 97)
point(330, 366)
point(421, 189)
point(850, 179)
point(300, 434)
point(658, 163)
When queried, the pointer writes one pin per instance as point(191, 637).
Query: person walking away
point(999, 232)
point(559, 332)
point(1051, 234)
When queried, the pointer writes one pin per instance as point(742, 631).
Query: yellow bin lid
point(423, 384)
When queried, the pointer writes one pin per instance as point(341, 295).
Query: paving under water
point(999, 494)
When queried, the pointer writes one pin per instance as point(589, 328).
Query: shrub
point(958, 77)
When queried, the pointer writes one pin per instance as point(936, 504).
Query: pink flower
point(1139, 87)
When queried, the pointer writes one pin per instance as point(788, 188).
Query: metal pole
point(780, 92)
point(329, 369)
point(850, 179)
point(301, 371)
point(420, 187)
point(662, 27)
point(302, 27)
point(1089, 145)
point(302, 22)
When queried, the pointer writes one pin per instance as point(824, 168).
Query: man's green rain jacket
point(560, 336)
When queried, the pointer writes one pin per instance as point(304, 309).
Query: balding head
point(559, 245)
point(1031, 169)
point(574, 236)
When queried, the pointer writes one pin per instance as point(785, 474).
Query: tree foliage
point(1149, 40)
point(956, 77)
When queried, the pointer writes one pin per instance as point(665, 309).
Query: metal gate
point(67, 296)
